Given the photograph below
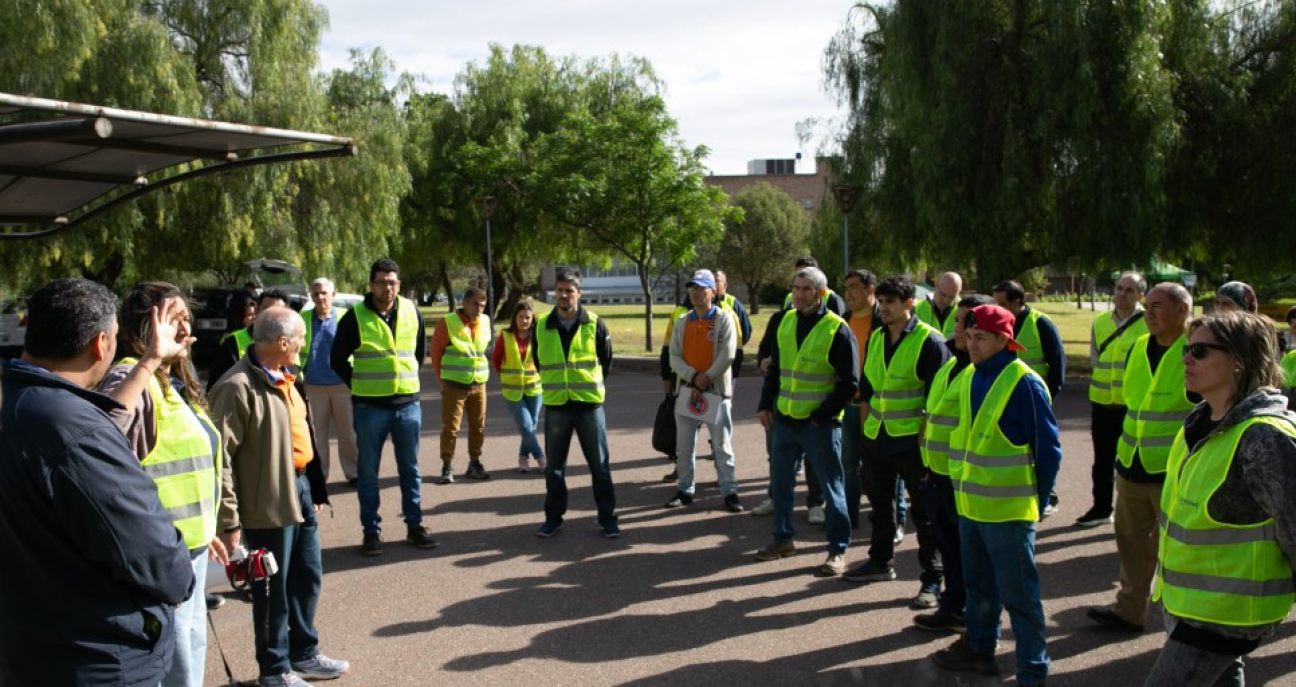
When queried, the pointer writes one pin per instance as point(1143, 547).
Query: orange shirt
point(699, 341)
point(301, 435)
point(862, 325)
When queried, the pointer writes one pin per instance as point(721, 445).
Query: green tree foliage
point(761, 241)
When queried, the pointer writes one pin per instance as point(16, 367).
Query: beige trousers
point(331, 407)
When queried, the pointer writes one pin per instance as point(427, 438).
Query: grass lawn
point(625, 322)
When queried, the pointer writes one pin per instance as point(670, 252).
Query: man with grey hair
point(272, 486)
point(1110, 339)
point(1153, 388)
point(813, 374)
point(329, 396)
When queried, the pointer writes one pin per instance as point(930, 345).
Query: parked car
point(210, 305)
point(13, 327)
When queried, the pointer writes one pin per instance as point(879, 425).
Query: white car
point(345, 301)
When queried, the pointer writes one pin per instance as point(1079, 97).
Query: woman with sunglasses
point(1228, 535)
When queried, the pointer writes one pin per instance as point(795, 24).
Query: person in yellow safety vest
point(234, 344)
point(167, 426)
point(902, 361)
point(1153, 387)
point(1043, 343)
point(1288, 365)
point(573, 353)
point(833, 304)
point(1110, 338)
point(1004, 459)
point(329, 396)
point(386, 338)
point(942, 417)
point(937, 309)
point(814, 373)
point(1228, 529)
point(459, 357)
point(520, 381)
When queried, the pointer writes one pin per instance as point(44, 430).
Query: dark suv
point(209, 323)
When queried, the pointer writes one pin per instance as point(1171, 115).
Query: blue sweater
point(1027, 419)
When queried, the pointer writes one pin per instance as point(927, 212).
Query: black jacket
point(93, 563)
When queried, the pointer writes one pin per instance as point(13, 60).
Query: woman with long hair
point(1228, 523)
point(521, 381)
point(166, 423)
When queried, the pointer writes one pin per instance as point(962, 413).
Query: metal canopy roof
point(57, 167)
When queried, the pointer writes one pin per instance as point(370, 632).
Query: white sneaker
point(285, 680)
point(816, 515)
point(765, 508)
point(320, 667)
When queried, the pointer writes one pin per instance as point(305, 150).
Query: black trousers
point(1106, 423)
point(879, 473)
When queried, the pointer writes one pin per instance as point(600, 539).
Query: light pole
point(846, 195)
point(488, 205)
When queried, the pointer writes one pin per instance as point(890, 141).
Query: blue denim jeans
point(526, 415)
point(284, 619)
point(813, 496)
point(686, 431)
point(191, 631)
point(590, 428)
point(999, 573)
point(852, 453)
point(372, 426)
point(821, 447)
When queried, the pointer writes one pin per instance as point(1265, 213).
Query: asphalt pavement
point(678, 599)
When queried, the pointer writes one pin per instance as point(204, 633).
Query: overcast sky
point(739, 74)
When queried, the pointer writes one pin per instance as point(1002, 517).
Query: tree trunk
point(648, 306)
point(449, 288)
point(753, 298)
point(516, 292)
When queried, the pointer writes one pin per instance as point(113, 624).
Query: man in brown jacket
point(271, 488)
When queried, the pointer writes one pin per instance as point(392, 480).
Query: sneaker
point(1106, 617)
point(816, 515)
point(540, 463)
point(476, 470)
point(372, 544)
point(523, 465)
point(871, 572)
point(419, 536)
point(1049, 511)
point(732, 504)
point(833, 567)
point(940, 621)
point(548, 529)
point(447, 476)
point(320, 667)
point(1094, 517)
point(961, 658)
point(672, 476)
point(927, 597)
point(611, 531)
point(899, 534)
point(280, 680)
point(215, 601)
point(679, 499)
point(776, 550)
point(766, 507)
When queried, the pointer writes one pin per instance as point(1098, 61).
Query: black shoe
point(1094, 517)
point(961, 658)
point(679, 499)
point(477, 471)
point(548, 529)
point(215, 601)
point(419, 536)
point(871, 572)
point(940, 621)
point(1107, 618)
point(353, 482)
point(447, 475)
point(372, 545)
point(672, 476)
point(732, 504)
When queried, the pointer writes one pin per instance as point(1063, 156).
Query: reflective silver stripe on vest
point(1160, 415)
point(895, 414)
point(1229, 585)
point(584, 386)
point(1219, 537)
point(1148, 442)
point(451, 366)
point(383, 376)
point(979, 460)
point(894, 395)
point(803, 395)
point(179, 467)
point(938, 446)
point(1102, 365)
point(375, 355)
point(191, 510)
point(806, 376)
point(1099, 385)
point(943, 420)
point(997, 492)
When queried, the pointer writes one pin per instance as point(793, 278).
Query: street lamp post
point(488, 205)
point(846, 195)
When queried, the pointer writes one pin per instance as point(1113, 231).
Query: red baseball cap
point(996, 320)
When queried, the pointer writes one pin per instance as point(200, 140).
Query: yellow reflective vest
point(518, 377)
point(925, 311)
point(994, 479)
point(1158, 404)
point(385, 363)
point(243, 339)
point(576, 376)
point(1212, 571)
point(942, 416)
point(1030, 339)
point(899, 394)
point(464, 359)
point(805, 376)
point(1109, 370)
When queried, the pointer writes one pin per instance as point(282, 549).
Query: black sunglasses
point(1200, 349)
